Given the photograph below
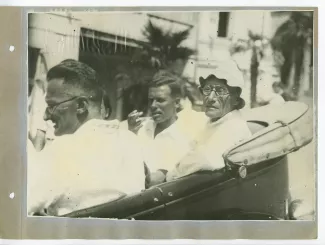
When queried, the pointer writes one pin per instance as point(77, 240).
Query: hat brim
point(242, 102)
point(232, 80)
point(202, 80)
point(228, 83)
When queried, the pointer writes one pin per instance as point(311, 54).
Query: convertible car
point(252, 186)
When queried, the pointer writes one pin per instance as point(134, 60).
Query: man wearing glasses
point(225, 127)
point(87, 162)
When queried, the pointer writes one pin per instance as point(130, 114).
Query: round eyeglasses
point(51, 108)
point(219, 91)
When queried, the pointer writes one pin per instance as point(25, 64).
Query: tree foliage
point(164, 46)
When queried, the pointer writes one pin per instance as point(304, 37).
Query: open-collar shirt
point(97, 164)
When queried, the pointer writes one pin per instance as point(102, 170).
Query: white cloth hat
point(227, 70)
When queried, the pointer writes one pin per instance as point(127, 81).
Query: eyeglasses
point(50, 109)
point(219, 91)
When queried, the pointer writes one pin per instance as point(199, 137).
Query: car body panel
point(217, 195)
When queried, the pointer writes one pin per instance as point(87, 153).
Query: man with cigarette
point(167, 133)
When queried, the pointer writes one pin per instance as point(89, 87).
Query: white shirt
point(97, 164)
point(168, 147)
point(213, 141)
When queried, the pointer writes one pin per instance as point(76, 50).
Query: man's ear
point(105, 109)
point(82, 106)
point(178, 103)
point(235, 102)
point(105, 112)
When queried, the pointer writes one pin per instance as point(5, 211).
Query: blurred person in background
point(39, 131)
point(192, 99)
point(88, 162)
point(265, 90)
point(278, 88)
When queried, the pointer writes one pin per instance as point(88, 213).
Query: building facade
point(105, 40)
point(57, 35)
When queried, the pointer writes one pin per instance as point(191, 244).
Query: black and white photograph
point(171, 115)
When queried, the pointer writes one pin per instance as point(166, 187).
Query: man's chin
point(212, 114)
point(158, 119)
point(63, 131)
point(57, 132)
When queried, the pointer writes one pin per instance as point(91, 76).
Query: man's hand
point(157, 178)
point(171, 175)
point(135, 121)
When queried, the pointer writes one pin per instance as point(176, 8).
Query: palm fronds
point(165, 45)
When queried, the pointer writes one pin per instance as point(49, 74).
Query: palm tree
point(165, 48)
point(256, 43)
point(290, 39)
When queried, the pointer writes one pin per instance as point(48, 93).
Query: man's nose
point(212, 96)
point(153, 104)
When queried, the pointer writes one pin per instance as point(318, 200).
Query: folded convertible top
point(288, 128)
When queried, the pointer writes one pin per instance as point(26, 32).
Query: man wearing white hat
point(225, 126)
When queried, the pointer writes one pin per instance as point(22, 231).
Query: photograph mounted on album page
point(141, 116)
